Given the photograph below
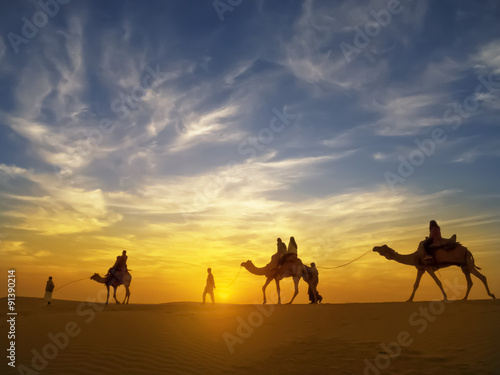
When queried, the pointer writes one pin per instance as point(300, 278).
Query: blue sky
point(241, 129)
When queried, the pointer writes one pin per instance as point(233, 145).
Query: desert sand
point(72, 337)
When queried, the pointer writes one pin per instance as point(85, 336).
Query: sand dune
point(188, 338)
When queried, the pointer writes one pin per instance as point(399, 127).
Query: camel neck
point(408, 259)
point(100, 279)
point(255, 270)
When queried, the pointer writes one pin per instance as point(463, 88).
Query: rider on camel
point(120, 267)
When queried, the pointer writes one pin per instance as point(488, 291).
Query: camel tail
point(473, 261)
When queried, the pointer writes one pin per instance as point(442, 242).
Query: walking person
point(209, 287)
point(49, 288)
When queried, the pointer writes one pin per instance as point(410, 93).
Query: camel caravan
point(432, 254)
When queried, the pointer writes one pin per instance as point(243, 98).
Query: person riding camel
point(280, 252)
point(281, 247)
point(292, 246)
point(435, 240)
point(291, 253)
point(120, 266)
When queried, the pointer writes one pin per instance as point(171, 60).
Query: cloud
point(403, 115)
point(168, 181)
point(489, 56)
point(488, 148)
point(309, 53)
point(53, 207)
point(380, 156)
point(341, 141)
point(207, 127)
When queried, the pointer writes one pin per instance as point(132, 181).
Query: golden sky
point(70, 233)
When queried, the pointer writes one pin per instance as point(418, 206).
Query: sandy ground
point(189, 338)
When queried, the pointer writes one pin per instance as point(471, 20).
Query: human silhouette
point(281, 247)
point(435, 240)
point(291, 253)
point(210, 286)
point(49, 288)
point(314, 277)
point(119, 268)
point(292, 246)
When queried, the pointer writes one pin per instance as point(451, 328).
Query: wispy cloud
point(489, 56)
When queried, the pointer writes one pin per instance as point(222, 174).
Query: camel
point(291, 268)
point(458, 256)
point(127, 279)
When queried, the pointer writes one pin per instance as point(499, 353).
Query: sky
point(195, 133)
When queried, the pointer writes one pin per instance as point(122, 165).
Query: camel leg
point(438, 282)
point(278, 290)
point(296, 280)
point(481, 277)
point(466, 272)
point(268, 280)
point(107, 298)
point(417, 283)
point(114, 295)
point(127, 294)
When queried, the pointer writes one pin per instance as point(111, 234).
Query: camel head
point(385, 251)
point(94, 276)
point(246, 264)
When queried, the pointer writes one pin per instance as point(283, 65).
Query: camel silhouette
point(293, 267)
point(458, 256)
point(115, 283)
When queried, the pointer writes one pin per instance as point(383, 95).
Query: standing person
point(314, 277)
point(209, 288)
point(49, 288)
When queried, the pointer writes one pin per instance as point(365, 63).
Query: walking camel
point(291, 268)
point(458, 256)
point(115, 283)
